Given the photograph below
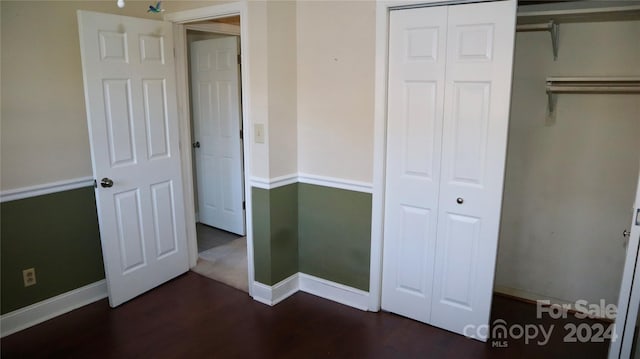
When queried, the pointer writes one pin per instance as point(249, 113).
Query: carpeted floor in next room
point(222, 256)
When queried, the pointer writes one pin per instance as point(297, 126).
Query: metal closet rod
point(587, 85)
point(593, 85)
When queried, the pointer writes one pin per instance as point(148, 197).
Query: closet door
point(480, 42)
point(416, 98)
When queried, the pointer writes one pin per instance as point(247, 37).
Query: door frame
point(383, 9)
point(180, 20)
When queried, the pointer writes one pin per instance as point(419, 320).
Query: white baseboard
point(336, 292)
point(37, 313)
point(272, 295)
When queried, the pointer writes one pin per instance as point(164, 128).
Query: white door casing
point(629, 297)
point(217, 128)
point(129, 82)
point(445, 160)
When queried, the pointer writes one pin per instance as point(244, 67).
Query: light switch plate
point(258, 133)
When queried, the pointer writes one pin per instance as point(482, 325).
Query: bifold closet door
point(416, 97)
point(449, 141)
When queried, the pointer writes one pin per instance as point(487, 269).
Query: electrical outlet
point(29, 277)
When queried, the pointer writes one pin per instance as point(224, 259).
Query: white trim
point(206, 13)
point(336, 292)
point(326, 181)
point(266, 183)
point(285, 288)
point(37, 313)
point(261, 293)
point(47, 188)
point(272, 295)
point(219, 28)
point(340, 293)
point(333, 182)
point(179, 18)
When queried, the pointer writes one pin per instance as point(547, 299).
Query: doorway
point(571, 175)
point(194, 20)
point(213, 53)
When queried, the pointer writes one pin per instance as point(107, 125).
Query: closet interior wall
point(570, 183)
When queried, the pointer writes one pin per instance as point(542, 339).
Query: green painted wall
point(321, 231)
point(58, 235)
point(275, 233)
point(261, 213)
point(335, 234)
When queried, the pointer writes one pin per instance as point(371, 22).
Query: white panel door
point(417, 55)
point(480, 44)
point(216, 117)
point(130, 94)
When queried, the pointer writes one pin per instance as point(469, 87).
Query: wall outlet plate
point(29, 277)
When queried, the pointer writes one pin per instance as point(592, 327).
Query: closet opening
point(571, 175)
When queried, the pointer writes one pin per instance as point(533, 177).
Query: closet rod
point(590, 85)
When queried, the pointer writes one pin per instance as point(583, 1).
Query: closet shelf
point(590, 85)
point(550, 19)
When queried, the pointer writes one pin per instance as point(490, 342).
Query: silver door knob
point(460, 200)
point(196, 144)
point(625, 233)
point(106, 182)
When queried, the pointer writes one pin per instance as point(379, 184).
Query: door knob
point(106, 182)
point(625, 233)
point(196, 144)
point(460, 200)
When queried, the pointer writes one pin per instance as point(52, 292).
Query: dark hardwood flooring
point(195, 317)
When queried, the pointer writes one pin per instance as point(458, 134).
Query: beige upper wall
point(281, 64)
point(336, 54)
point(44, 132)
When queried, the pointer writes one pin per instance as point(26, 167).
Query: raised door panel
point(414, 123)
point(477, 97)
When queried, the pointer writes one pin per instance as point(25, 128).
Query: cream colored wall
point(43, 131)
point(569, 186)
point(256, 65)
point(336, 44)
point(282, 88)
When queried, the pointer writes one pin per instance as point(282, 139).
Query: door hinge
point(241, 135)
point(239, 59)
point(244, 205)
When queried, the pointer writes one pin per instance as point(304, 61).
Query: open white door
point(629, 298)
point(218, 146)
point(130, 94)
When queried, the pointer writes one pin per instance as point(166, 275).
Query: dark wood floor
point(195, 317)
